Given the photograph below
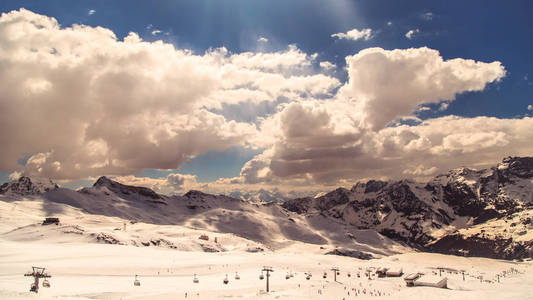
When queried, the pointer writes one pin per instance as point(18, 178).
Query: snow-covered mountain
point(268, 224)
point(468, 212)
point(452, 213)
point(28, 186)
point(260, 195)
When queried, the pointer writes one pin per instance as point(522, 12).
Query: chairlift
point(292, 275)
point(287, 276)
point(46, 283)
point(308, 277)
point(349, 275)
point(226, 280)
point(261, 276)
point(237, 277)
point(325, 275)
point(33, 288)
point(136, 282)
point(195, 279)
point(338, 273)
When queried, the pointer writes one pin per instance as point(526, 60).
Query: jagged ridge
point(431, 215)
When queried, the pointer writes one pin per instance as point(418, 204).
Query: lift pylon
point(38, 273)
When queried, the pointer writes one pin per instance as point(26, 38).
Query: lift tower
point(37, 273)
point(267, 270)
point(335, 271)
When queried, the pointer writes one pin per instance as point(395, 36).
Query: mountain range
point(465, 212)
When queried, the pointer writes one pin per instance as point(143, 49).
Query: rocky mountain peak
point(521, 167)
point(104, 181)
point(28, 186)
point(125, 189)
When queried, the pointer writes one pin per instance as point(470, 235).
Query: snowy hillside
point(92, 256)
point(265, 226)
point(422, 213)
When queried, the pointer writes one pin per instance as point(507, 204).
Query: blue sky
point(484, 31)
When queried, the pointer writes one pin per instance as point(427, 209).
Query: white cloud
point(262, 39)
point(347, 138)
point(324, 154)
point(412, 77)
point(156, 32)
point(420, 170)
point(127, 105)
point(428, 16)
point(411, 33)
point(444, 106)
point(355, 34)
point(131, 104)
point(15, 175)
point(326, 65)
point(389, 23)
point(91, 12)
point(530, 107)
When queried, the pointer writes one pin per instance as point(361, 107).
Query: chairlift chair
point(287, 276)
point(237, 277)
point(195, 279)
point(308, 277)
point(226, 280)
point(261, 276)
point(136, 282)
point(325, 275)
point(33, 288)
point(46, 283)
point(349, 275)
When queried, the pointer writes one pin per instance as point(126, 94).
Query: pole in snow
point(335, 270)
point(267, 270)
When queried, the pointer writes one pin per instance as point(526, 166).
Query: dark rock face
point(351, 253)
point(458, 244)
point(126, 189)
point(374, 186)
point(298, 205)
point(521, 167)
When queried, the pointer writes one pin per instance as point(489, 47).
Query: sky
point(296, 96)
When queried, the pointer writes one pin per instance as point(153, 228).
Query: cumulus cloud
point(530, 107)
point(347, 138)
point(262, 39)
point(354, 34)
point(78, 102)
point(156, 32)
point(385, 85)
point(389, 23)
point(91, 12)
point(444, 106)
point(411, 33)
point(86, 103)
point(324, 156)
